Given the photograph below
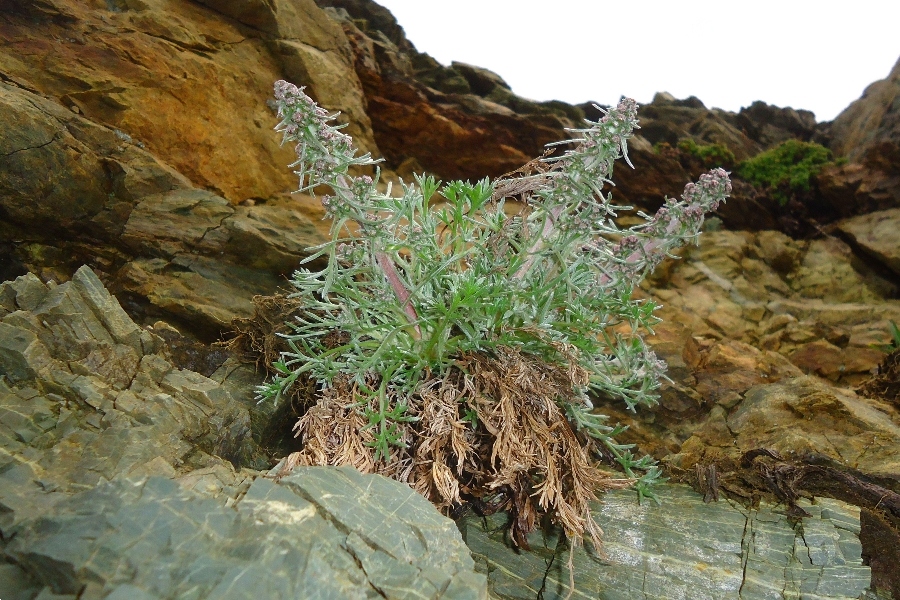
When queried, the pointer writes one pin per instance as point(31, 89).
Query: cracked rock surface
point(123, 476)
point(684, 548)
point(319, 533)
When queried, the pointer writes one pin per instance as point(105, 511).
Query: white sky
point(816, 55)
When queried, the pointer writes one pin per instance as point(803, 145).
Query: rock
point(424, 111)
point(452, 137)
point(91, 176)
point(203, 292)
point(324, 532)
point(435, 75)
point(172, 222)
point(870, 121)
point(85, 380)
point(877, 234)
point(669, 120)
point(827, 271)
point(118, 478)
point(175, 194)
point(831, 362)
point(868, 133)
point(20, 352)
point(858, 188)
point(153, 222)
point(770, 125)
point(91, 66)
point(684, 548)
point(481, 81)
point(801, 416)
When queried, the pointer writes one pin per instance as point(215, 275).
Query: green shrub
point(787, 169)
point(455, 339)
point(709, 155)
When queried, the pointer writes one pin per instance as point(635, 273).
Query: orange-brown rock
point(453, 136)
point(187, 82)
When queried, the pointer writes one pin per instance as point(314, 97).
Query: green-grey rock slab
point(322, 532)
point(683, 549)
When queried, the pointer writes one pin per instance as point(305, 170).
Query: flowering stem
point(388, 268)
point(390, 271)
point(539, 244)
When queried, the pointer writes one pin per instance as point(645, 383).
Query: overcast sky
point(806, 54)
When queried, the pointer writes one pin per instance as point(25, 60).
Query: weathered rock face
point(870, 124)
point(160, 169)
point(114, 483)
point(186, 252)
point(135, 137)
point(453, 135)
point(186, 80)
point(719, 551)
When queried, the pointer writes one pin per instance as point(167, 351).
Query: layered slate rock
point(320, 533)
point(121, 477)
point(82, 378)
point(186, 253)
point(877, 234)
point(684, 548)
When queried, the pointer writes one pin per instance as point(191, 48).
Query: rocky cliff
point(136, 139)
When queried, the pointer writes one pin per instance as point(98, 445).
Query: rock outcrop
point(715, 550)
point(870, 125)
point(122, 476)
point(868, 134)
point(186, 80)
point(114, 485)
point(135, 138)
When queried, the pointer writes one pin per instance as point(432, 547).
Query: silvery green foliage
point(415, 280)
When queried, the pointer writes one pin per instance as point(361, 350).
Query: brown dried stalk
point(522, 453)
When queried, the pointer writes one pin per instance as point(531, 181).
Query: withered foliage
point(885, 383)
point(256, 338)
point(489, 432)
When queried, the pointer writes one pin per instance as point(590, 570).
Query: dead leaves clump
point(490, 432)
